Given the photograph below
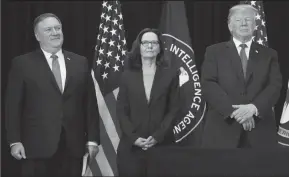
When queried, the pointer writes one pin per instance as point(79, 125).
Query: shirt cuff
point(92, 143)
point(256, 111)
point(12, 144)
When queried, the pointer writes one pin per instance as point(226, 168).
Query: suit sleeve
point(173, 109)
point(92, 112)
point(213, 93)
point(269, 96)
point(123, 112)
point(14, 102)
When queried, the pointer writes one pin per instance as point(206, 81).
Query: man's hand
point(92, 150)
point(150, 142)
point(243, 112)
point(18, 152)
point(140, 142)
point(249, 124)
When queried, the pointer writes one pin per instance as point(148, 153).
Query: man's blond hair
point(241, 7)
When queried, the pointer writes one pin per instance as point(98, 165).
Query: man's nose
point(244, 22)
point(54, 31)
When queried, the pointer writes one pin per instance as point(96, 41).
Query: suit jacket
point(36, 109)
point(224, 85)
point(137, 117)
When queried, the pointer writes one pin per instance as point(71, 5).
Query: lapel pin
point(256, 51)
point(68, 58)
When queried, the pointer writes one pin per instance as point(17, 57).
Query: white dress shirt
point(247, 49)
point(61, 64)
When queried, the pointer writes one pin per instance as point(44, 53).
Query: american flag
point(110, 51)
point(260, 33)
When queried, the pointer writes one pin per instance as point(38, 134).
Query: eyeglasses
point(146, 43)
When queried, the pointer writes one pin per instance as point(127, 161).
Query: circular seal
point(181, 56)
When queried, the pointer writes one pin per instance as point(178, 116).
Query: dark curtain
point(207, 25)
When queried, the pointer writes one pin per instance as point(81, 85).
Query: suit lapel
point(44, 67)
point(253, 60)
point(235, 60)
point(139, 82)
point(156, 84)
point(68, 65)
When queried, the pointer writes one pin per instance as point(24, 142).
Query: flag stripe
point(103, 163)
point(111, 105)
point(108, 149)
point(105, 116)
point(94, 169)
point(99, 166)
point(108, 134)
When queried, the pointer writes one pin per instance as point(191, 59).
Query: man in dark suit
point(241, 83)
point(51, 107)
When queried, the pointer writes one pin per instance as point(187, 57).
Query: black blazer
point(36, 109)
point(137, 117)
point(224, 85)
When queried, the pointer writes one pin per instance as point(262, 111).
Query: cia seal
point(193, 105)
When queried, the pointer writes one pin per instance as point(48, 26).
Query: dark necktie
point(244, 58)
point(56, 70)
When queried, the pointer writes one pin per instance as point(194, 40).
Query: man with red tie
point(51, 109)
point(241, 82)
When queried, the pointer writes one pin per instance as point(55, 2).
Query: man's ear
point(230, 27)
point(36, 36)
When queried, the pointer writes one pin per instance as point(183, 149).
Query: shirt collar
point(48, 55)
point(237, 42)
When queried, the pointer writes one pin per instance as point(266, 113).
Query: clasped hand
point(92, 151)
point(145, 143)
point(243, 114)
